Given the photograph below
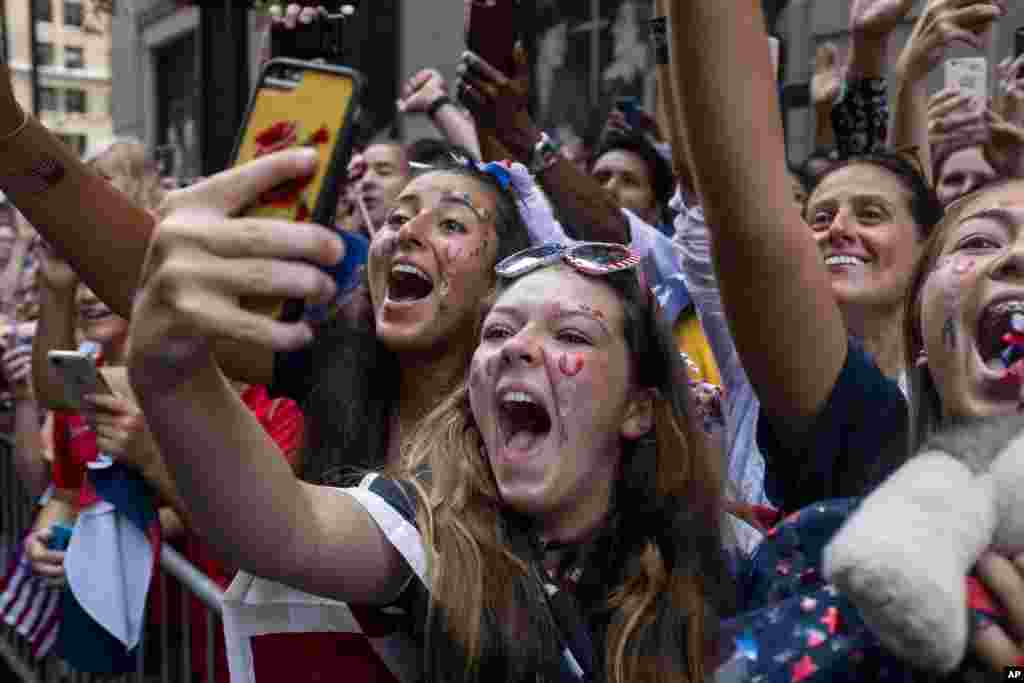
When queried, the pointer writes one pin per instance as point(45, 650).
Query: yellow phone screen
point(309, 113)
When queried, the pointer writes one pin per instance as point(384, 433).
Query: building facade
point(74, 68)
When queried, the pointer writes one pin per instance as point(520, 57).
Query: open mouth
point(998, 321)
point(524, 422)
point(408, 283)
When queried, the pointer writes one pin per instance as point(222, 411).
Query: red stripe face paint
point(570, 364)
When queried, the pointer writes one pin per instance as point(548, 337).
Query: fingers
point(995, 647)
point(826, 57)
point(1005, 579)
point(945, 101)
point(477, 66)
point(252, 238)
point(230, 191)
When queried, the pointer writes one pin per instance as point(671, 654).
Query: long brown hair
point(652, 583)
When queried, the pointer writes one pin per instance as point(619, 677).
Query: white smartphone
point(774, 44)
point(80, 376)
point(969, 74)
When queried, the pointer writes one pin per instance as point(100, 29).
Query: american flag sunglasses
point(589, 258)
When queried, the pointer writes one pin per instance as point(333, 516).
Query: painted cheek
point(571, 364)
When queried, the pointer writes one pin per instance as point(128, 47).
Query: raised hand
point(422, 90)
point(17, 358)
point(201, 261)
point(1005, 148)
point(828, 75)
point(1009, 95)
point(500, 102)
point(942, 23)
point(955, 122)
point(878, 17)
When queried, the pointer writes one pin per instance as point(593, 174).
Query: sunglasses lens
point(600, 258)
point(526, 260)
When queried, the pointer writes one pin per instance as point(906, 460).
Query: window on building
point(74, 58)
point(75, 101)
point(72, 13)
point(44, 54)
point(48, 99)
point(75, 141)
point(43, 10)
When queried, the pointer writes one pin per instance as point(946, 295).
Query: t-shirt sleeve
point(857, 440)
point(392, 506)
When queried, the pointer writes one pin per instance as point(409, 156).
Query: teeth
point(843, 261)
point(409, 270)
point(517, 397)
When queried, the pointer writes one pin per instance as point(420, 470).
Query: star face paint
point(571, 365)
point(573, 369)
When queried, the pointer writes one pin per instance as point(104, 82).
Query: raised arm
point(240, 492)
point(427, 93)
point(942, 23)
point(787, 326)
point(500, 104)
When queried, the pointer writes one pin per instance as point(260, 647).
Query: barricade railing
point(165, 654)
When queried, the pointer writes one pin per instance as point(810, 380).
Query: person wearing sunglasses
point(572, 509)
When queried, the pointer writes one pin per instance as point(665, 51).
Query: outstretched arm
point(787, 326)
point(239, 491)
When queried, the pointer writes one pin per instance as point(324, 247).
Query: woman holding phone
point(573, 423)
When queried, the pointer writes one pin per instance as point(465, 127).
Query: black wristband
point(658, 28)
point(437, 104)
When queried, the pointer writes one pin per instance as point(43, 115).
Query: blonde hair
point(126, 163)
point(660, 583)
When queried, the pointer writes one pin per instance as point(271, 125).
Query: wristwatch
point(546, 154)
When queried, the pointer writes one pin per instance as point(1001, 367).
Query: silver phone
point(80, 376)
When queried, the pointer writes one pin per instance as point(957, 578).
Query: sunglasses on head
point(589, 258)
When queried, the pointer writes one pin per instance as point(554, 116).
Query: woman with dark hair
point(558, 515)
point(821, 339)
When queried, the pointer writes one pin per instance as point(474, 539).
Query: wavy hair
point(654, 580)
point(126, 164)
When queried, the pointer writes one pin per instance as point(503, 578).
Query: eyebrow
point(1002, 216)
point(449, 197)
point(517, 314)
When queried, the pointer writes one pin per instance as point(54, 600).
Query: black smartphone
point(1018, 46)
point(301, 104)
point(492, 29)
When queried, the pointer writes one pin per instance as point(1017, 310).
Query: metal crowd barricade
point(165, 655)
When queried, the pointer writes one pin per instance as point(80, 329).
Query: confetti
point(831, 619)
point(815, 637)
point(803, 669)
point(808, 604)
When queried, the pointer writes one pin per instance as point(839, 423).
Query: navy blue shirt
point(854, 443)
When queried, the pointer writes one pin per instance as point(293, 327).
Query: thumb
point(230, 191)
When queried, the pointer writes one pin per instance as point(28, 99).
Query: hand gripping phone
point(80, 376)
point(302, 104)
point(492, 29)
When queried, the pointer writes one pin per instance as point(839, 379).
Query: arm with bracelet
point(426, 93)
point(500, 103)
